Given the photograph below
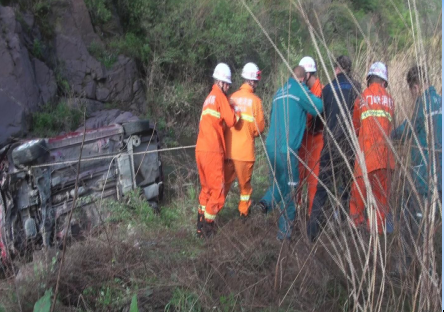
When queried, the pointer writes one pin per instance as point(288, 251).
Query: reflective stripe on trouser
point(286, 171)
point(380, 184)
point(310, 152)
point(243, 171)
point(210, 166)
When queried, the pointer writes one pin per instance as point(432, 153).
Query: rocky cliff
point(36, 69)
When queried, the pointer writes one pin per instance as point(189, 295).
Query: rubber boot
point(200, 223)
point(208, 229)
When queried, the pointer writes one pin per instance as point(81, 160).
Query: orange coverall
point(210, 149)
point(310, 152)
point(240, 155)
point(373, 117)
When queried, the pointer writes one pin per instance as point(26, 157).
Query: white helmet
point(251, 72)
point(222, 72)
point(309, 64)
point(378, 69)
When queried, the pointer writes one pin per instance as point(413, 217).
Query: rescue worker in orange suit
point(240, 156)
point(312, 142)
point(217, 113)
point(373, 117)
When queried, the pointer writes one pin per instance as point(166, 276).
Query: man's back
point(289, 112)
point(429, 103)
point(346, 91)
point(373, 121)
point(240, 139)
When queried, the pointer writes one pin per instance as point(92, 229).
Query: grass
point(244, 267)
point(53, 119)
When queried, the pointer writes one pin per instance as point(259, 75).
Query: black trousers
point(337, 178)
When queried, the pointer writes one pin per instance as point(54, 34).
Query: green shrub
point(37, 48)
point(106, 57)
point(99, 10)
point(132, 46)
point(52, 120)
point(63, 87)
point(42, 13)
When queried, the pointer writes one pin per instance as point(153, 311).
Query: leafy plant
point(133, 307)
point(44, 303)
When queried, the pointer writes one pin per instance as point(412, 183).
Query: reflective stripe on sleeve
point(436, 112)
point(287, 96)
point(209, 216)
point(211, 112)
point(247, 117)
point(245, 197)
point(201, 208)
point(376, 113)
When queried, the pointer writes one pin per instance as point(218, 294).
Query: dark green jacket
point(289, 116)
point(428, 105)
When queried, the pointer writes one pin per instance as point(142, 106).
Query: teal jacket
point(289, 116)
point(427, 105)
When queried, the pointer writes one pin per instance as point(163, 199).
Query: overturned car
point(38, 181)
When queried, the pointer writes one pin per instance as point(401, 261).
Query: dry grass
point(244, 267)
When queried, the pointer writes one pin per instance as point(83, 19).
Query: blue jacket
point(347, 91)
point(431, 107)
point(289, 116)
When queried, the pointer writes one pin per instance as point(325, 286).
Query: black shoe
point(261, 207)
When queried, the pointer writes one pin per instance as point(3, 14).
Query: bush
point(106, 57)
point(52, 120)
point(37, 48)
point(99, 9)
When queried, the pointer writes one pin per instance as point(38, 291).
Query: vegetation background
point(177, 44)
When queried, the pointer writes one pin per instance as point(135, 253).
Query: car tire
point(136, 127)
point(29, 152)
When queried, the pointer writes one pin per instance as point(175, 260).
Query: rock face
point(45, 81)
point(87, 76)
point(27, 82)
point(19, 91)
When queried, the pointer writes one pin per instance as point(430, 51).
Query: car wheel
point(136, 127)
point(29, 152)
